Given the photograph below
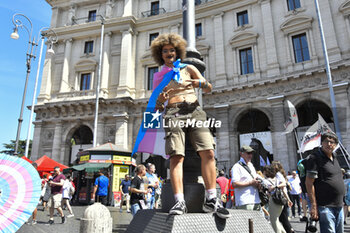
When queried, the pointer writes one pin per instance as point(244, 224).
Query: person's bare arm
point(197, 80)
point(94, 191)
point(309, 182)
point(135, 190)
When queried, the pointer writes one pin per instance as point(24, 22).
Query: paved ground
point(72, 225)
point(120, 222)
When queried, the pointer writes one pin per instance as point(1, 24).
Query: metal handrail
point(158, 11)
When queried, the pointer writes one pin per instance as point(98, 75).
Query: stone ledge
point(156, 221)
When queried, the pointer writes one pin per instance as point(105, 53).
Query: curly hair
point(270, 171)
point(279, 168)
point(165, 39)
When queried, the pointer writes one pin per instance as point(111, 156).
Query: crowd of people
point(319, 182)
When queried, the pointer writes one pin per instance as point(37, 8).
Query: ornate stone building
point(258, 54)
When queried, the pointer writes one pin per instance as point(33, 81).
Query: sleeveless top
point(180, 88)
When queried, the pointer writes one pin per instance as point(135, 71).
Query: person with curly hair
point(275, 209)
point(283, 182)
point(179, 101)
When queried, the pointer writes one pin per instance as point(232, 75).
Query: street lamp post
point(30, 54)
point(50, 51)
point(98, 83)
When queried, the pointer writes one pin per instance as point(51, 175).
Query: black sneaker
point(63, 219)
point(50, 222)
point(179, 208)
point(213, 205)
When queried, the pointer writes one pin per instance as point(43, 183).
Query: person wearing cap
point(246, 181)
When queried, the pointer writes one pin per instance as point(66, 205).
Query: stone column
point(279, 140)
point(109, 9)
point(63, 153)
point(329, 32)
point(256, 61)
point(288, 52)
point(347, 23)
point(269, 38)
point(57, 140)
point(312, 51)
point(46, 81)
point(236, 68)
point(54, 17)
point(121, 130)
point(66, 62)
point(36, 141)
point(127, 73)
point(222, 135)
point(343, 110)
point(220, 71)
point(174, 28)
point(100, 131)
point(127, 8)
point(105, 63)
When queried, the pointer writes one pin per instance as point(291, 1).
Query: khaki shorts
point(55, 201)
point(201, 138)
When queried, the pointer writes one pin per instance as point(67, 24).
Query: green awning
point(88, 167)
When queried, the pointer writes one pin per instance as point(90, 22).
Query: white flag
point(293, 120)
point(312, 137)
point(323, 125)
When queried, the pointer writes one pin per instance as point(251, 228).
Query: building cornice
point(94, 28)
point(68, 3)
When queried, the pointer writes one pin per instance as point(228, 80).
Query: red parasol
point(46, 164)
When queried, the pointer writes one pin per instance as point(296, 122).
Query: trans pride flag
point(151, 140)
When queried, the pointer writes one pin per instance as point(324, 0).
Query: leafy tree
point(10, 148)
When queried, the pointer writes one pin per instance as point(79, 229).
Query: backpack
point(302, 168)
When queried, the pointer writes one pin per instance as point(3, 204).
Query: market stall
point(115, 162)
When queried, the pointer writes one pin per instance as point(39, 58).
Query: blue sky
point(13, 64)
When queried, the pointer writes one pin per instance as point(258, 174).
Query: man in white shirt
point(245, 182)
point(294, 182)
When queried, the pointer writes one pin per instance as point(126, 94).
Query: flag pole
point(328, 72)
point(296, 138)
point(345, 154)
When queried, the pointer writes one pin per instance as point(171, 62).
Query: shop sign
point(120, 157)
point(84, 158)
point(101, 157)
